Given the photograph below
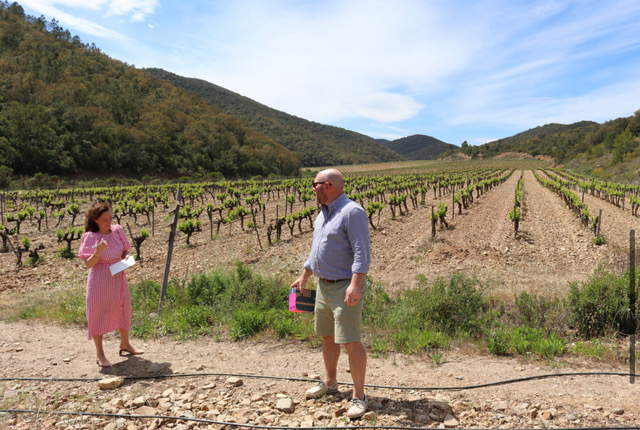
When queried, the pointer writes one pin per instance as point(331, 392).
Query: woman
point(108, 299)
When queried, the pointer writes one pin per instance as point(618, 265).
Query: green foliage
point(600, 305)
point(549, 314)
point(598, 240)
point(314, 144)
point(71, 308)
point(246, 323)
point(515, 214)
point(524, 340)
point(454, 306)
point(66, 253)
point(594, 348)
point(70, 108)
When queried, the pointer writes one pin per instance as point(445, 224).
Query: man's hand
point(353, 294)
point(299, 283)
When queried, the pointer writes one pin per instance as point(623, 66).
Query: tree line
point(66, 108)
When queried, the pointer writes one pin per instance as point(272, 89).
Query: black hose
point(289, 378)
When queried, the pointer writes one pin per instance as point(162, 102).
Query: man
point(340, 257)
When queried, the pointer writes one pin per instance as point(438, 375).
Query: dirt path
point(36, 351)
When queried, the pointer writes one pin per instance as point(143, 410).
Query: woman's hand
point(93, 260)
point(101, 246)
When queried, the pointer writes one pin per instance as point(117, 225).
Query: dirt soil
point(551, 250)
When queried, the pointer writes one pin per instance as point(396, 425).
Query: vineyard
point(422, 224)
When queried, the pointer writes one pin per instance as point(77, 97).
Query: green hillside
point(66, 109)
point(610, 150)
point(316, 144)
point(418, 147)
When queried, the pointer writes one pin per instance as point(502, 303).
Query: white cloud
point(137, 9)
point(384, 107)
point(47, 8)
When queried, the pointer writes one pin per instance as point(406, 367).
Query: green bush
point(600, 305)
point(246, 323)
point(524, 340)
point(498, 341)
point(550, 314)
point(456, 306)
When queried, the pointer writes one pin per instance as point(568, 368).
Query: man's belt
point(332, 281)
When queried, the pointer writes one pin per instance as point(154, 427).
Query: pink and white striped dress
point(108, 299)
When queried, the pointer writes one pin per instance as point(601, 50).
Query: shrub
point(453, 306)
point(539, 311)
point(600, 305)
point(246, 323)
point(524, 340)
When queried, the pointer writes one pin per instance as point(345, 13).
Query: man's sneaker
point(357, 408)
point(321, 389)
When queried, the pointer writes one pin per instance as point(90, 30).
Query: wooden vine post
point(632, 306)
point(172, 221)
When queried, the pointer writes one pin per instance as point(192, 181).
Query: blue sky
point(455, 70)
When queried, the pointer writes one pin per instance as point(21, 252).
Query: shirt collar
point(337, 203)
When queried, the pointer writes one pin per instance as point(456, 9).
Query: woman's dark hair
point(94, 213)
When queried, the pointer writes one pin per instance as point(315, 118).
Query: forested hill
point(66, 108)
point(316, 144)
point(418, 147)
point(611, 149)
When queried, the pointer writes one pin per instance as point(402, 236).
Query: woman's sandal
point(124, 352)
point(101, 365)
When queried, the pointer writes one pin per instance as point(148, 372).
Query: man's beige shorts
point(332, 315)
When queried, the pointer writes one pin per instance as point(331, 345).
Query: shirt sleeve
point(358, 233)
point(123, 237)
point(86, 247)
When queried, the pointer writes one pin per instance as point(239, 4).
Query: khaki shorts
point(332, 315)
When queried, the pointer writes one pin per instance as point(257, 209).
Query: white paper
point(122, 264)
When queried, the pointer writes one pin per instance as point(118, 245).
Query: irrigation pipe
point(255, 426)
point(289, 378)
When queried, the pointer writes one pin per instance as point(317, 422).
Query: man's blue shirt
point(341, 244)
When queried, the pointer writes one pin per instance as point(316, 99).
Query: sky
point(456, 70)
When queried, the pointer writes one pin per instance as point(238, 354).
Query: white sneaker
point(358, 407)
point(321, 389)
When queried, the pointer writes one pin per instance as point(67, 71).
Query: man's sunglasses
point(315, 184)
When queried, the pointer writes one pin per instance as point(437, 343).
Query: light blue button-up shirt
point(341, 244)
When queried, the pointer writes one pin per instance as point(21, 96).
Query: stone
point(450, 422)
point(322, 415)
point(146, 410)
point(547, 415)
point(234, 381)
point(370, 416)
point(285, 405)
point(110, 383)
point(154, 368)
point(139, 401)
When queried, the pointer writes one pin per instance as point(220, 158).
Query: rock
point(146, 410)
point(501, 406)
point(369, 416)
point(321, 415)
point(117, 403)
point(547, 415)
point(110, 383)
point(285, 405)
point(234, 381)
point(139, 401)
point(340, 412)
point(450, 422)
point(154, 368)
